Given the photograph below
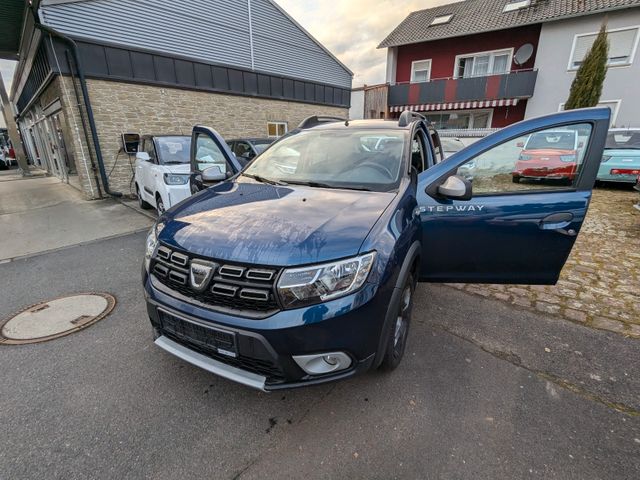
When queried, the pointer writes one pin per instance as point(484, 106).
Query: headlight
point(152, 243)
point(606, 158)
point(308, 285)
point(175, 179)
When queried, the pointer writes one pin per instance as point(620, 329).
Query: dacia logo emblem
point(200, 273)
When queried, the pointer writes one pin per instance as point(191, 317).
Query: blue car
point(621, 157)
point(287, 277)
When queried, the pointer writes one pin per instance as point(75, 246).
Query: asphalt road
point(485, 391)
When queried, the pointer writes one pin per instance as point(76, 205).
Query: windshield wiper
point(322, 185)
point(263, 180)
point(174, 162)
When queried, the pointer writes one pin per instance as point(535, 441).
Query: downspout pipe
point(87, 103)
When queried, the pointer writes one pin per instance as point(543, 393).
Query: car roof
point(252, 139)
point(360, 125)
point(165, 135)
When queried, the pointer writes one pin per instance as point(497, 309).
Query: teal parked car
point(621, 157)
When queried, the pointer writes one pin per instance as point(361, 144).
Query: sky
point(350, 29)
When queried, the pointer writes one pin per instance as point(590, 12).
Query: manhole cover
point(55, 318)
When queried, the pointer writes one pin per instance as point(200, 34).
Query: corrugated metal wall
point(210, 30)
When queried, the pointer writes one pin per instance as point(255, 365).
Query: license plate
point(205, 336)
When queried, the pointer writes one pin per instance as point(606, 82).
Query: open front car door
point(211, 159)
point(508, 208)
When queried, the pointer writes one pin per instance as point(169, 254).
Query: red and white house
point(472, 64)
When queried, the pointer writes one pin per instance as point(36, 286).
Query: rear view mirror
point(213, 174)
point(143, 156)
point(456, 188)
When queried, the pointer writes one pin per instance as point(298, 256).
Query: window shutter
point(583, 45)
point(621, 43)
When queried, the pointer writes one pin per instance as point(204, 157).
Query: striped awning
point(507, 102)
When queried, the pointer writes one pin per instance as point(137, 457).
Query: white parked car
point(162, 171)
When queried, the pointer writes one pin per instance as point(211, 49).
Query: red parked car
point(549, 155)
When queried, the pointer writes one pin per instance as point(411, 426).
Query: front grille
point(235, 288)
point(211, 342)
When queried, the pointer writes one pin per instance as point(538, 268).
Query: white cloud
point(353, 29)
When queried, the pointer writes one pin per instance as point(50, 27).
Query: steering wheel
point(377, 166)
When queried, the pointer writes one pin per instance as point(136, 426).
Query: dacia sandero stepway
point(301, 268)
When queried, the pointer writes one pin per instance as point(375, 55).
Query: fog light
point(322, 363)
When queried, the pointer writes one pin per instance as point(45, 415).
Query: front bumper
point(176, 194)
point(263, 349)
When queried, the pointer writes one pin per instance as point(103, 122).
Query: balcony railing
point(514, 85)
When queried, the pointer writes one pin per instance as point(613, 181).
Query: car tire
point(160, 208)
point(141, 203)
point(399, 331)
point(515, 179)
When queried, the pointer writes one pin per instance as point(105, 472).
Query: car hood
point(182, 168)
point(273, 225)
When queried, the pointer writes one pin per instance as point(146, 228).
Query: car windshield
point(552, 140)
point(351, 159)
point(261, 145)
point(628, 139)
point(173, 150)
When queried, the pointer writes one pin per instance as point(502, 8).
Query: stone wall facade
point(126, 107)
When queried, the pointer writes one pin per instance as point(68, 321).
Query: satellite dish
point(523, 54)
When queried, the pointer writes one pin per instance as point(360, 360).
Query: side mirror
point(213, 174)
point(520, 144)
point(143, 156)
point(456, 188)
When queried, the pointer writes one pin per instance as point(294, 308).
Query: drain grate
point(55, 318)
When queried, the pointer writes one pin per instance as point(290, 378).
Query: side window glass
point(544, 160)
point(417, 153)
point(209, 154)
point(150, 149)
point(437, 146)
point(243, 150)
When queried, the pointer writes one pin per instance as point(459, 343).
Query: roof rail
point(316, 120)
point(408, 116)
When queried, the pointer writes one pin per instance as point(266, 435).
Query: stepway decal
point(451, 208)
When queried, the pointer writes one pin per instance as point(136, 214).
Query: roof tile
point(477, 16)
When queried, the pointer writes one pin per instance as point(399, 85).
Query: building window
point(421, 71)
point(481, 64)
point(513, 5)
point(613, 105)
point(622, 47)
point(460, 119)
point(441, 19)
point(276, 129)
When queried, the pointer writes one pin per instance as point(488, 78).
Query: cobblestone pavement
point(600, 284)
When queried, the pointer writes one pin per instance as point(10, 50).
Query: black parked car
point(246, 149)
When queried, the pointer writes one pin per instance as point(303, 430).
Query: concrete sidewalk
point(41, 214)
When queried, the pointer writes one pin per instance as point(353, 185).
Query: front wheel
point(141, 203)
point(515, 179)
point(399, 332)
point(160, 208)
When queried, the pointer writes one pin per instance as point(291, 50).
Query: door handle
point(558, 222)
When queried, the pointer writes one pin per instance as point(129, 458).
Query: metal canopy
point(11, 16)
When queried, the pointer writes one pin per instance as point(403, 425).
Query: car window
point(437, 147)
point(623, 139)
point(208, 154)
point(173, 150)
point(369, 159)
point(541, 161)
point(150, 149)
point(417, 153)
point(243, 150)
